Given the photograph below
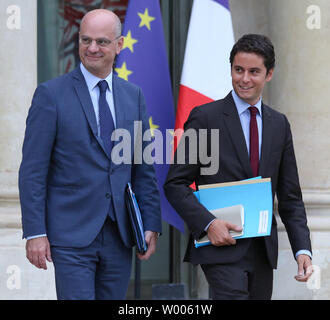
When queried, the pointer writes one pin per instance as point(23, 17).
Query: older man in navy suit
point(71, 192)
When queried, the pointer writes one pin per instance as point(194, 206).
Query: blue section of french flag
point(224, 3)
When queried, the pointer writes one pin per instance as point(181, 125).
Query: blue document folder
point(255, 195)
point(135, 220)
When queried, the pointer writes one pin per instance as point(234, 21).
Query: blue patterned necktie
point(105, 117)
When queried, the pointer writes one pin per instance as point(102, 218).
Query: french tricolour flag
point(206, 68)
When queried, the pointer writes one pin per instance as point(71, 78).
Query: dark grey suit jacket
point(277, 162)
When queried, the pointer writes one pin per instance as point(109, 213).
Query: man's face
point(249, 76)
point(99, 59)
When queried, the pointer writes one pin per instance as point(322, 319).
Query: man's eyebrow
point(100, 38)
point(251, 69)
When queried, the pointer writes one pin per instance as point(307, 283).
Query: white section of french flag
point(206, 69)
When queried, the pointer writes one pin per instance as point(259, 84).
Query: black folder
point(135, 219)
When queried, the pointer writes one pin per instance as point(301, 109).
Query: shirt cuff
point(206, 228)
point(37, 236)
point(303, 252)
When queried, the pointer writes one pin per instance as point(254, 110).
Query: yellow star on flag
point(123, 72)
point(129, 41)
point(152, 127)
point(145, 19)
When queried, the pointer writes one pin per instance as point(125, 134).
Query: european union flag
point(143, 61)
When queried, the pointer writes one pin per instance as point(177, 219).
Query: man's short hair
point(258, 44)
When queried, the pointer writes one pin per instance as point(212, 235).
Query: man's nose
point(93, 47)
point(246, 77)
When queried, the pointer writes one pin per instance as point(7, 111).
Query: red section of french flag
point(188, 99)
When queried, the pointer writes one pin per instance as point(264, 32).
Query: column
point(300, 33)
point(18, 80)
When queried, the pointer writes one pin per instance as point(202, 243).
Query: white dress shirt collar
point(242, 106)
point(92, 80)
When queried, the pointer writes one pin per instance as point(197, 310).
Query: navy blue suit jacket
point(67, 182)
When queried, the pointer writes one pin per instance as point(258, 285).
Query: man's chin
point(92, 67)
point(248, 98)
point(244, 95)
point(97, 69)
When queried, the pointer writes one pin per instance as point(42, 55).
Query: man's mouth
point(245, 88)
point(93, 57)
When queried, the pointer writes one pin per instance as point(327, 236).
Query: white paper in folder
point(234, 215)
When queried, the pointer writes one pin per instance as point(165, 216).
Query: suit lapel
point(266, 141)
point(233, 124)
point(120, 103)
point(81, 88)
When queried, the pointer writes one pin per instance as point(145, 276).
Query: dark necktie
point(106, 128)
point(254, 141)
point(105, 117)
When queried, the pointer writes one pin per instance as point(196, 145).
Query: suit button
point(108, 195)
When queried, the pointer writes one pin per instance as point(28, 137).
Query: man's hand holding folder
point(250, 200)
point(151, 240)
point(145, 240)
point(218, 232)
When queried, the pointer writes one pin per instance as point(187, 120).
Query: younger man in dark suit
point(254, 140)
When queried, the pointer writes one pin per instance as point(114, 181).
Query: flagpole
point(178, 20)
point(175, 255)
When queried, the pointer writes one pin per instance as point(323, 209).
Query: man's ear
point(269, 75)
point(120, 43)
